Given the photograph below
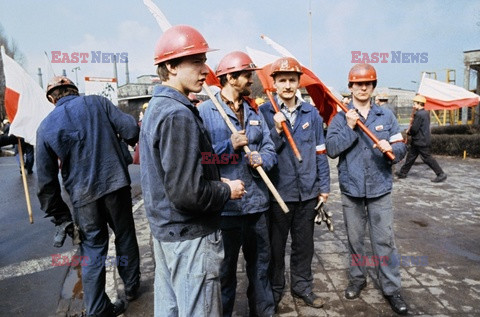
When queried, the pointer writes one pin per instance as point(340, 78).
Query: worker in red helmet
point(83, 133)
point(419, 131)
point(183, 198)
point(243, 222)
point(365, 177)
point(301, 185)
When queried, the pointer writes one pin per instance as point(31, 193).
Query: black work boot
point(119, 307)
point(354, 290)
point(113, 309)
point(132, 294)
point(440, 178)
point(310, 299)
point(397, 303)
point(400, 175)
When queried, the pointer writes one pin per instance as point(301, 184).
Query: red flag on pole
point(324, 102)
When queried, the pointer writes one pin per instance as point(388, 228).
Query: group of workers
point(201, 213)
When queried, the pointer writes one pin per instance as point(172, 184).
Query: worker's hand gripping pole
point(288, 135)
point(361, 125)
point(232, 128)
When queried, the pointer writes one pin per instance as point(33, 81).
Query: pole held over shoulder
point(259, 169)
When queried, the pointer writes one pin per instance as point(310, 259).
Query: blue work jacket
point(183, 197)
point(362, 170)
point(297, 181)
point(234, 165)
point(81, 134)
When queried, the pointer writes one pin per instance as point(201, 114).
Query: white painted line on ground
point(137, 205)
point(31, 266)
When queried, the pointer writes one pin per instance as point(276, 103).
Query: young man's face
point(191, 73)
point(362, 91)
point(243, 83)
point(286, 85)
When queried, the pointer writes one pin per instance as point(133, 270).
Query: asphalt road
point(29, 284)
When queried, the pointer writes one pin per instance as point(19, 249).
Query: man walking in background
point(419, 131)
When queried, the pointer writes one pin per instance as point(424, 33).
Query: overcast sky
point(441, 30)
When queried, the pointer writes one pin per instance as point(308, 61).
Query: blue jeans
point(378, 213)
point(114, 210)
point(187, 277)
point(249, 232)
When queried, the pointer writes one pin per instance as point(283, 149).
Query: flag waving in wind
point(444, 96)
point(25, 101)
point(324, 102)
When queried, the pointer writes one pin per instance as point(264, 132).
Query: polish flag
point(25, 101)
point(445, 96)
point(323, 99)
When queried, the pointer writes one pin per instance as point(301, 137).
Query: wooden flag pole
point(286, 130)
point(259, 169)
point(360, 124)
point(24, 178)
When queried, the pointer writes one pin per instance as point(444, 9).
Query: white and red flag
point(25, 101)
point(322, 97)
point(445, 96)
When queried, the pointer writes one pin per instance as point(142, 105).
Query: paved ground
point(437, 233)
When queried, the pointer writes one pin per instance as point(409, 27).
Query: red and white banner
point(326, 105)
point(445, 96)
point(25, 101)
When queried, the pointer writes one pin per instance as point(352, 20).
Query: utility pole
point(310, 30)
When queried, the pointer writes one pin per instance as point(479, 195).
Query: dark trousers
point(300, 223)
point(28, 156)
point(250, 232)
point(114, 210)
point(424, 152)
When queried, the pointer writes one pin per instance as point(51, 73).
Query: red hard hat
point(58, 81)
point(287, 65)
point(234, 62)
point(179, 41)
point(361, 73)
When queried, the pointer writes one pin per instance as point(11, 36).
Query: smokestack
point(40, 81)
point(115, 68)
point(127, 74)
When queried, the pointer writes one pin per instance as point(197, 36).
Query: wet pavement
point(437, 233)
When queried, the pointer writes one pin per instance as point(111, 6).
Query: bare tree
point(11, 49)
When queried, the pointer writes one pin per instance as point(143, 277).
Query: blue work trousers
point(114, 210)
point(378, 214)
point(249, 232)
